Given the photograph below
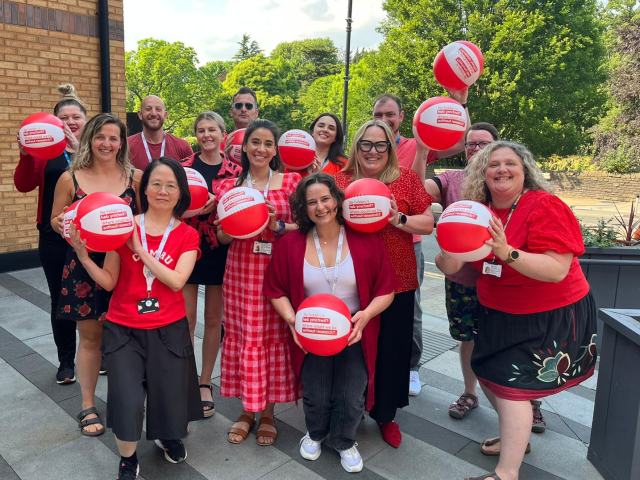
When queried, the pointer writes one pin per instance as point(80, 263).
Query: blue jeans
point(334, 395)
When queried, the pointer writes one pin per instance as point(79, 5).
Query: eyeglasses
point(238, 106)
point(473, 145)
point(157, 187)
point(366, 146)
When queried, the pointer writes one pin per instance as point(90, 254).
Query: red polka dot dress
point(255, 352)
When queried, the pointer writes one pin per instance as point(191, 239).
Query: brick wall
point(43, 44)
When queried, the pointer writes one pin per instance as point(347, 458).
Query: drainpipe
point(105, 58)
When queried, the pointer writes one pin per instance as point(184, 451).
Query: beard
point(153, 128)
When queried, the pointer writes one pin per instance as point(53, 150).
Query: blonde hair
point(83, 158)
point(475, 187)
point(391, 171)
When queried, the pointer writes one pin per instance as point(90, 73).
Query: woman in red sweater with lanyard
point(32, 173)
point(537, 319)
point(146, 339)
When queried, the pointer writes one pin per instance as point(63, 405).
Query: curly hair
point(298, 201)
point(475, 187)
point(391, 171)
point(84, 156)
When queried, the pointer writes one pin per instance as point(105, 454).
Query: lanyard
point(146, 147)
point(334, 281)
point(511, 210)
point(143, 240)
point(66, 155)
point(398, 140)
point(266, 188)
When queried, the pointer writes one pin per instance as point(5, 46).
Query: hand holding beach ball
point(42, 136)
point(198, 190)
point(439, 123)
point(235, 152)
point(367, 205)
point(458, 65)
point(297, 149)
point(323, 324)
point(463, 229)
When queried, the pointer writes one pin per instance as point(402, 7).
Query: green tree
point(169, 71)
point(543, 64)
point(274, 82)
point(247, 48)
point(311, 58)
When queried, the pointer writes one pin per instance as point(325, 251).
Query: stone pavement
point(39, 439)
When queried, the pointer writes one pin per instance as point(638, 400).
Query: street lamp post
point(345, 94)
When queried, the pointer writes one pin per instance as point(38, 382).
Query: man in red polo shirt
point(388, 108)
point(153, 142)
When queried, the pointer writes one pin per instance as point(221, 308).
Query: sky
point(213, 27)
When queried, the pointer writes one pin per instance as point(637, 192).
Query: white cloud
point(213, 27)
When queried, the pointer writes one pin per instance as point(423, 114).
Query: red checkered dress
point(255, 352)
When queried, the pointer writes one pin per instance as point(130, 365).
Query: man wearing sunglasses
point(153, 142)
point(244, 109)
point(388, 108)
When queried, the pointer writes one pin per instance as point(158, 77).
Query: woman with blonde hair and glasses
point(373, 155)
point(101, 164)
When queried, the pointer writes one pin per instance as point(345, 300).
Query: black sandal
point(82, 423)
point(208, 412)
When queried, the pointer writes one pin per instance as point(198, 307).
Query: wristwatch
point(402, 220)
point(513, 256)
point(281, 229)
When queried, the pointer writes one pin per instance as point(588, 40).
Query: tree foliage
point(248, 48)
point(311, 58)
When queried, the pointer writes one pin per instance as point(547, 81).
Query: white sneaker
point(351, 460)
point(310, 449)
point(415, 387)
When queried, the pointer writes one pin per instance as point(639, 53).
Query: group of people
point(526, 327)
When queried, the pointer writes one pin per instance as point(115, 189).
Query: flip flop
point(243, 432)
point(489, 443)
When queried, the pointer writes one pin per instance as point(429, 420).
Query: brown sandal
point(238, 430)
point(493, 475)
point(489, 443)
point(263, 432)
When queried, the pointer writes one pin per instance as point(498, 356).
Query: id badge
point(492, 268)
point(262, 247)
point(148, 305)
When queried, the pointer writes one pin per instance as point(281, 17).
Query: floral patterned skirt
point(530, 356)
point(80, 297)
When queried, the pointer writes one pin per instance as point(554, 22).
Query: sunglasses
point(366, 146)
point(238, 106)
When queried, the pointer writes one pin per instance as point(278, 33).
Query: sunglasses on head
point(238, 106)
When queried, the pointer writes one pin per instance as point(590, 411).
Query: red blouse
point(132, 285)
point(412, 199)
point(541, 222)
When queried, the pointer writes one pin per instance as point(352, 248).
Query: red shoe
point(391, 433)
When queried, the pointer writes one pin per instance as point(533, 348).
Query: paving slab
point(30, 421)
point(34, 277)
point(4, 292)
point(211, 454)
point(24, 320)
point(572, 406)
point(592, 382)
point(418, 460)
point(292, 470)
point(6, 472)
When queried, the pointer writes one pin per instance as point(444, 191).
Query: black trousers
point(52, 250)
point(394, 358)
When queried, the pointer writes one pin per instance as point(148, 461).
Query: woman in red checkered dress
point(255, 352)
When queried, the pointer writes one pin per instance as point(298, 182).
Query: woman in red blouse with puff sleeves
point(146, 341)
point(537, 319)
point(373, 156)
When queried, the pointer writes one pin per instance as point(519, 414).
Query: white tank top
point(346, 289)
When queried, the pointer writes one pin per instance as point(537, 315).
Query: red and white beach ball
point(69, 216)
point(297, 149)
point(236, 145)
point(458, 65)
point(243, 212)
point(104, 220)
point(42, 136)
point(323, 324)
point(439, 123)
point(462, 230)
point(199, 192)
point(367, 205)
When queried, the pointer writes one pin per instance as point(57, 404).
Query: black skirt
point(209, 269)
point(157, 364)
point(530, 356)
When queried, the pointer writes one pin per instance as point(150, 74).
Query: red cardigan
point(374, 277)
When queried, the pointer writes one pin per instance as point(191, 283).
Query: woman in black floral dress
point(100, 165)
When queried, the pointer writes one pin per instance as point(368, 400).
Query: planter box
point(614, 448)
point(614, 276)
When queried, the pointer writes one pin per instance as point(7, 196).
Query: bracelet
point(281, 229)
